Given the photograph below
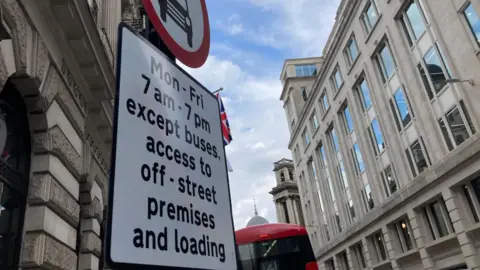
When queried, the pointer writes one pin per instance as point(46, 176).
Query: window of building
point(282, 177)
point(456, 127)
point(343, 260)
point(385, 62)
point(305, 70)
point(367, 197)
point(312, 170)
point(296, 154)
point(358, 159)
point(363, 93)
point(369, 17)
point(285, 212)
point(417, 157)
point(333, 139)
point(288, 109)
point(351, 51)
point(378, 246)
point(437, 71)
point(390, 184)
point(401, 109)
point(403, 234)
point(324, 102)
point(413, 22)
point(376, 137)
point(360, 260)
point(336, 79)
point(314, 121)
point(323, 156)
point(290, 174)
point(438, 220)
point(347, 119)
point(473, 21)
point(471, 193)
point(306, 137)
point(329, 265)
point(342, 175)
point(304, 93)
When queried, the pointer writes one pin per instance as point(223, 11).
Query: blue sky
point(250, 39)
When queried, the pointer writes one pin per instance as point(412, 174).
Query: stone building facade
point(56, 90)
point(384, 136)
point(285, 194)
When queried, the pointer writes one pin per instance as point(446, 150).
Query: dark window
point(282, 177)
point(466, 192)
point(304, 94)
point(359, 254)
point(285, 212)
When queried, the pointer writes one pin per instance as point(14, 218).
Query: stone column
point(366, 252)
point(294, 210)
point(415, 223)
point(390, 249)
point(280, 216)
point(466, 244)
point(291, 213)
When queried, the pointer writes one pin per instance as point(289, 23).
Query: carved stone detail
point(42, 251)
point(42, 60)
point(54, 87)
point(91, 243)
point(70, 81)
point(56, 142)
point(92, 210)
point(20, 32)
point(44, 189)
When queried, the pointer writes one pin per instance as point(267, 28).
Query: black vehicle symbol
point(178, 11)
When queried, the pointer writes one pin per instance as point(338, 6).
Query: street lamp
point(471, 82)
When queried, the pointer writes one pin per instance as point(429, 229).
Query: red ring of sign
point(192, 59)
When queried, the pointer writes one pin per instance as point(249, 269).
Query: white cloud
point(300, 27)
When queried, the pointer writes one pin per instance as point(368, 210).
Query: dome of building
point(257, 220)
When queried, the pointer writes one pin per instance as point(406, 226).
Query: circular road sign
point(183, 26)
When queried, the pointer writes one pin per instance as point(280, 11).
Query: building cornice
point(336, 38)
point(287, 185)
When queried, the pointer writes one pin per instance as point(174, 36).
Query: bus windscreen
point(277, 254)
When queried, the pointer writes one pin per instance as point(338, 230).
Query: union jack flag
point(227, 135)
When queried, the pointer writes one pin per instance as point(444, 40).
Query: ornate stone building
point(56, 86)
point(285, 194)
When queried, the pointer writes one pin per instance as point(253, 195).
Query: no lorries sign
point(183, 26)
point(169, 193)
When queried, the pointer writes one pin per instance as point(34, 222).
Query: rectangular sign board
point(169, 198)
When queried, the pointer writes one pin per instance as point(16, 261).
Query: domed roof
point(257, 220)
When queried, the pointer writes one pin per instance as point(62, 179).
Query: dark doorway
point(14, 174)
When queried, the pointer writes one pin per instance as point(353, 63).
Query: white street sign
point(169, 194)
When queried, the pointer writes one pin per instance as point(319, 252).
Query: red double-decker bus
point(275, 247)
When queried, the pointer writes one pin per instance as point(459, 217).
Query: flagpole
point(218, 90)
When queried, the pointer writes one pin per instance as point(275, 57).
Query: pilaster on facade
point(467, 245)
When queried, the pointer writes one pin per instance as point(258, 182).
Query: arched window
point(282, 177)
point(14, 174)
point(290, 174)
